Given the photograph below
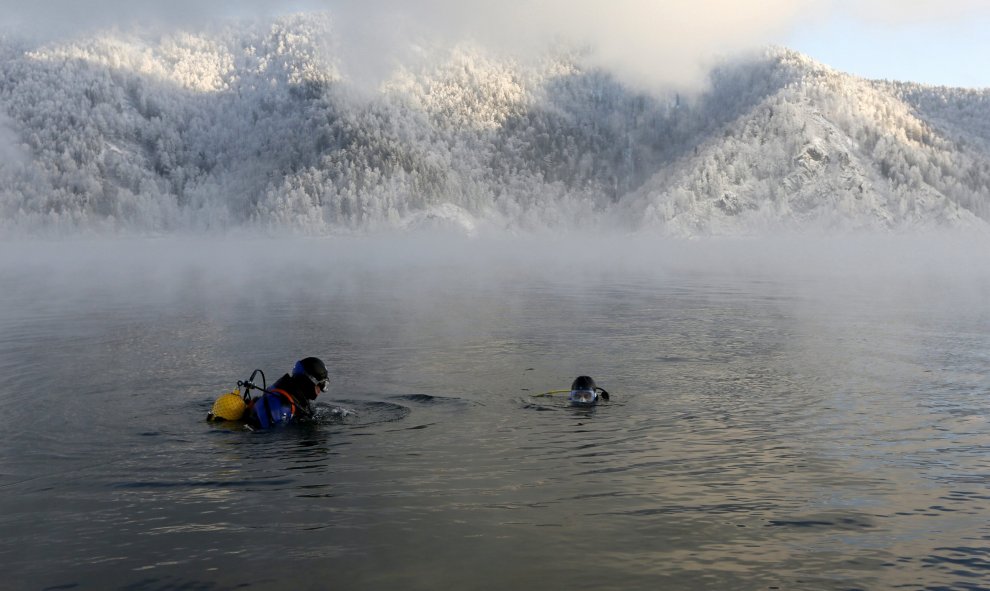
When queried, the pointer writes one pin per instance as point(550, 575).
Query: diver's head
point(583, 391)
point(311, 374)
point(583, 383)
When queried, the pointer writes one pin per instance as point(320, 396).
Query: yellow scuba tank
point(229, 407)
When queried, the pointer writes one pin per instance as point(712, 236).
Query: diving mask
point(583, 397)
point(321, 384)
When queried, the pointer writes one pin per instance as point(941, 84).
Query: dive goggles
point(321, 384)
point(583, 397)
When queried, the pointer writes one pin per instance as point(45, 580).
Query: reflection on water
point(763, 432)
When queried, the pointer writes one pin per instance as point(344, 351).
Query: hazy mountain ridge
point(831, 150)
point(256, 126)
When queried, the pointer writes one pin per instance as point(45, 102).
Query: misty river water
point(783, 415)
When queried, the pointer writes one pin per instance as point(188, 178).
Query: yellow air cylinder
point(229, 407)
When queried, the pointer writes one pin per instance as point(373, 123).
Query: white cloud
point(56, 18)
point(658, 43)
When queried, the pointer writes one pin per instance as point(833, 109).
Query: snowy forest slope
point(255, 126)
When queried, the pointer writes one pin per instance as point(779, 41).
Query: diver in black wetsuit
point(584, 392)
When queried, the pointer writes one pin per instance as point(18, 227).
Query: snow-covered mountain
point(255, 126)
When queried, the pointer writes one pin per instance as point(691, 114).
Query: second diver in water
point(584, 392)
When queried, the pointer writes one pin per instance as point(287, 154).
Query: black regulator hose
point(249, 384)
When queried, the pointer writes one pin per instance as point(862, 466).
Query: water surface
point(774, 424)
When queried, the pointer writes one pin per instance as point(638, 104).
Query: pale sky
point(950, 52)
point(658, 43)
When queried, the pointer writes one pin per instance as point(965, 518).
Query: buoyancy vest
point(274, 407)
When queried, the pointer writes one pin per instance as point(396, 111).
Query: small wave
point(420, 398)
point(369, 412)
point(161, 484)
point(964, 560)
point(543, 403)
point(528, 405)
point(333, 414)
point(430, 399)
point(841, 522)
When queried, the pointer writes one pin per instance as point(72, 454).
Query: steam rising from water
point(953, 265)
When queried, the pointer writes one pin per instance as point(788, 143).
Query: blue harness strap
point(275, 407)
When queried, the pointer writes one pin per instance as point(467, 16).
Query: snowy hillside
point(255, 126)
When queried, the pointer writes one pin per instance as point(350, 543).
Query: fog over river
point(789, 413)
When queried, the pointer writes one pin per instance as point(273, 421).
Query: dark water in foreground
point(769, 429)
